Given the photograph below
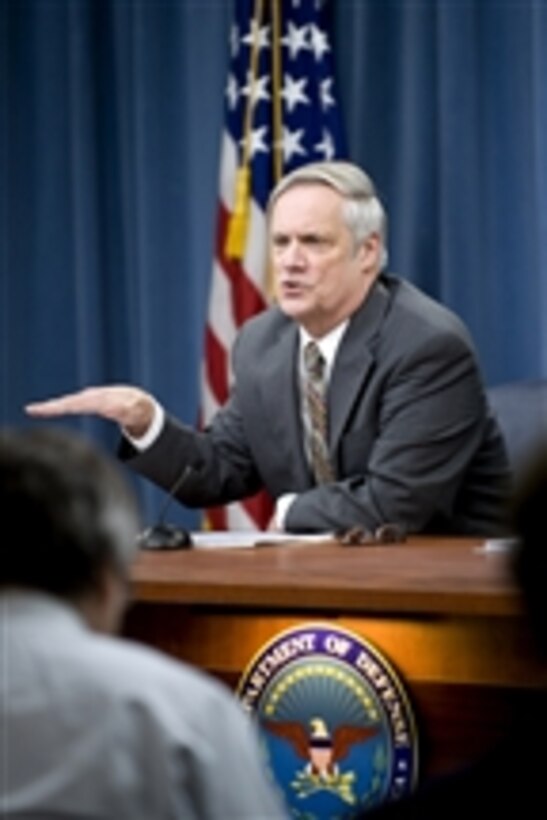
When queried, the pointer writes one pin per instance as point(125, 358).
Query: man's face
point(321, 278)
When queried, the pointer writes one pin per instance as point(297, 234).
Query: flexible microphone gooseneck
point(163, 536)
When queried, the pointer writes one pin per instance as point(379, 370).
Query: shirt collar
point(328, 344)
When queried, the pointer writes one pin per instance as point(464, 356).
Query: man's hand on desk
point(131, 407)
point(384, 534)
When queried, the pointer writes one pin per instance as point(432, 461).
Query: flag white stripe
point(255, 259)
point(221, 316)
point(209, 403)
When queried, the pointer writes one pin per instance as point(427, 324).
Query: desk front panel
point(443, 612)
point(466, 678)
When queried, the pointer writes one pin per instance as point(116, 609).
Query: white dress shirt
point(100, 728)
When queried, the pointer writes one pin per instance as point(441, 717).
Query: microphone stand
point(163, 536)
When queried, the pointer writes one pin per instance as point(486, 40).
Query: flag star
point(319, 42)
point(257, 144)
point(258, 88)
point(326, 146)
point(258, 36)
point(293, 91)
point(296, 39)
point(325, 93)
point(232, 91)
point(290, 143)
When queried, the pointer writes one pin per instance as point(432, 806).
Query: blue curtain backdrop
point(111, 114)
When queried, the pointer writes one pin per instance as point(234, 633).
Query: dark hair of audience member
point(68, 513)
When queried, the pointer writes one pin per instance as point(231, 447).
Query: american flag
point(280, 112)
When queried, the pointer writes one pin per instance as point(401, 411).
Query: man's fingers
point(130, 407)
point(93, 400)
point(61, 406)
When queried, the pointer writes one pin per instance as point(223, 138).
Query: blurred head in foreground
point(72, 520)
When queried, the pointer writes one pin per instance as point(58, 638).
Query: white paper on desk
point(244, 539)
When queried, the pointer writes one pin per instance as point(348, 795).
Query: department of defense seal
point(338, 730)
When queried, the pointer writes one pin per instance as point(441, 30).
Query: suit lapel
point(354, 360)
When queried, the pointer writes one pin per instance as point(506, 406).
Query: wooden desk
point(443, 612)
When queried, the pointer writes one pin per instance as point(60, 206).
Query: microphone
point(163, 536)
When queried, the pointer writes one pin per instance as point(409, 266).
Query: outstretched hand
point(131, 407)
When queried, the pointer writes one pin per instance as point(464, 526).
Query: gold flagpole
point(239, 221)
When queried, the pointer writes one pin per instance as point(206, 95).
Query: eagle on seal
point(320, 748)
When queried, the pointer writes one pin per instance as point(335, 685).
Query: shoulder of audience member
point(141, 673)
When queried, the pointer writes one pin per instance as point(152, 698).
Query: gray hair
point(362, 211)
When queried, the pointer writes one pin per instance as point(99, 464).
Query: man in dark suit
point(405, 435)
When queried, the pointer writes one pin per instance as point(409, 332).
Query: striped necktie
point(316, 413)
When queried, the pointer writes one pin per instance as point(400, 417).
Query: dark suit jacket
point(410, 433)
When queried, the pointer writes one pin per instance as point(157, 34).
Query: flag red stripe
point(247, 300)
point(216, 518)
point(260, 508)
point(216, 366)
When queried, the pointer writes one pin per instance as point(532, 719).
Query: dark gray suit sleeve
point(218, 465)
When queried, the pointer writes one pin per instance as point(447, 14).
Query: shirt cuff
point(144, 442)
point(282, 508)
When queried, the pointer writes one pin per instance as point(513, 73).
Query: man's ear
point(369, 253)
